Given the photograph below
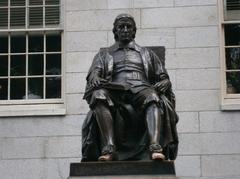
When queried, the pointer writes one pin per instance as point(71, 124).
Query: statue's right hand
point(96, 82)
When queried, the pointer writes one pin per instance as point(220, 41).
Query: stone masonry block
point(79, 61)
point(192, 58)
point(38, 126)
point(198, 79)
point(41, 147)
point(20, 148)
point(188, 166)
point(188, 122)
point(76, 105)
point(76, 82)
point(73, 5)
point(36, 168)
point(113, 4)
point(195, 2)
point(96, 20)
point(197, 37)
point(156, 37)
point(197, 100)
point(221, 165)
point(62, 147)
point(179, 17)
point(209, 143)
point(217, 121)
point(153, 3)
point(85, 41)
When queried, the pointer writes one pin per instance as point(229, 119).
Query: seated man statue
point(128, 90)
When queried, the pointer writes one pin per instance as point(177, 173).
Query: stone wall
point(43, 147)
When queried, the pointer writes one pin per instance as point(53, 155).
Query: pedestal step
point(124, 169)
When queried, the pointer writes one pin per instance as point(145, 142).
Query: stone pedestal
point(123, 170)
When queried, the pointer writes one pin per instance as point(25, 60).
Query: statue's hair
point(123, 16)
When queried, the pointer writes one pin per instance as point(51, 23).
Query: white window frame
point(38, 107)
point(228, 101)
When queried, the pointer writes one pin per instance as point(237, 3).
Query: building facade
point(46, 48)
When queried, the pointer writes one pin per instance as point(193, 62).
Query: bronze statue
point(132, 114)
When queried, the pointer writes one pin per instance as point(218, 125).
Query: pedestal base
point(124, 169)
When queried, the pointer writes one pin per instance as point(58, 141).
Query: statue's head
point(124, 28)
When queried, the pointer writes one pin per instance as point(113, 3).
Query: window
point(31, 76)
point(230, 53)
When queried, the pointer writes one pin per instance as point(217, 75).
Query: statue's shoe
point(105, 158)
point(157, 156)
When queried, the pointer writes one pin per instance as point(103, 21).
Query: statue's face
point(125, 30)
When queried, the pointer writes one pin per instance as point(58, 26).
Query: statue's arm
point(96, 71)
point(162, 81)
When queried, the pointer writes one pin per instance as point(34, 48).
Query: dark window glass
point(232, 34)
point(35, 65)
point(233, 58)
point(17, 88)
point(52, 2)
point(35, 16)
point(35, 88)
point(3, 65)
point(53, 64)
point(53, 87)
point(18, 65)
point(3, 89)
point(53, 43)
point(35, 43)
point(3, 18)
point(3, 3)
point(17, 17)
point(17, 2)
point(3, 44)
point(52, 15)
point(18, 44)
point(35, 2)
point(233, 82)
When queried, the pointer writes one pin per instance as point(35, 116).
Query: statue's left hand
point(163, 86)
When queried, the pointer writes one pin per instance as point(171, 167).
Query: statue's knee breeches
point(100, 95)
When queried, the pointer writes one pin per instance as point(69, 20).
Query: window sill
point(230, 104)
point(32, 110)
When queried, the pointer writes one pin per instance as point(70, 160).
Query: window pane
point(231, 9)
point(232, 34)
point(3, 18)
point(17, 88)
point(53, 43)
point(53, 87)
point(17, 2)
point(35, 16)
point(233, 58)
point(35, 65)
point(52, 15)
point(4, 44)
point(35, 43)
point(52, 2)
point(3, 3)
point(3, 89)
point(18, 44)
point(35, 2)
point(233, 82)
point(3, 65)
point(18, 65)
point(35, 88)
point(53, 64)
point(17, 17)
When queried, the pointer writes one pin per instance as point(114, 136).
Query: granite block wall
point(43, 147)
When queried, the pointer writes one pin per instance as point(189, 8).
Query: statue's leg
point(154, 121)
point(105, 124)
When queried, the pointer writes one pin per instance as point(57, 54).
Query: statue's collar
point(131, 45)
